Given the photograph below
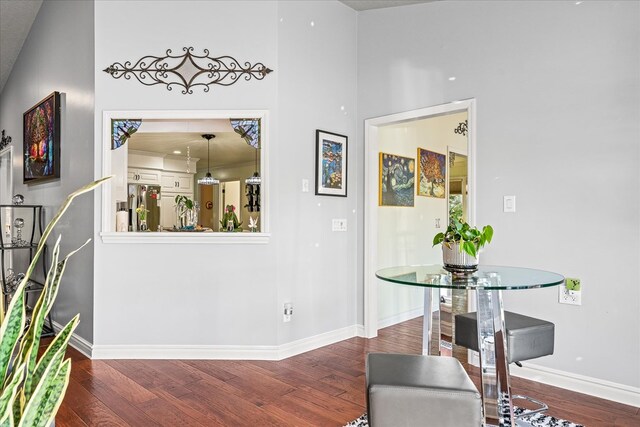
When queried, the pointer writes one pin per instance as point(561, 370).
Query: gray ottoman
point(412, 390)
point(527, 337)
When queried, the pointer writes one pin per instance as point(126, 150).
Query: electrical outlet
point(437, 222)
point(288, 312)
point(339, 224)
point(570, 292)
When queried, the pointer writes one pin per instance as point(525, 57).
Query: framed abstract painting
point(41, 142)
point(331, 164)
point(396, 179)
point(432, 173)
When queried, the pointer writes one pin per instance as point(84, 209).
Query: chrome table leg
point(494, 367)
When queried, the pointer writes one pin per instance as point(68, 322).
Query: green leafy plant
point(32, 387)
point(230, 215)
point(184, 201)
point(469, 238)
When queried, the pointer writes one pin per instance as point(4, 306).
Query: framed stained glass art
point(41, 142)
point(121, 131)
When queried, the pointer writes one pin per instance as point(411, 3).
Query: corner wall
point(558, 100)
point(58, 56)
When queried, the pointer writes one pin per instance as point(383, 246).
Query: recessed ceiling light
point(451, 78)
point(177, 152)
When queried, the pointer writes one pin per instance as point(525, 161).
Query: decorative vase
point(456, 259)
point(143, 225)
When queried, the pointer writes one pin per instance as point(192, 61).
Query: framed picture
point(432, 173)
point(331, 164)
point(41, 142)
point(396, 179)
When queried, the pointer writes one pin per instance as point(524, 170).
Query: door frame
point(371, 192)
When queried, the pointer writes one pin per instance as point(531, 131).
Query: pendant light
point(255, 178)
point(208, 179)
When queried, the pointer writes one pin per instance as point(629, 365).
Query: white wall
point(150, 294)
point(405, 234)
point(557, 88)
point(58, 56)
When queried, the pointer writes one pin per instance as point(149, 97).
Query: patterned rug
point(537, 420)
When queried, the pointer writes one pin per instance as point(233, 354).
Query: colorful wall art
point(432, 173)
point(331, 164)
point(41, 131)
point(396, 180)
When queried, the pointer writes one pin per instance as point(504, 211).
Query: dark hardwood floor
point(324, 387)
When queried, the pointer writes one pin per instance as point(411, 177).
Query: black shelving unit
point(34, 287)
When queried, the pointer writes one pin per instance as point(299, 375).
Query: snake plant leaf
point(49, 297)
point(48, 395)
point(60, 342)
point(9, 394)
point(10, 332)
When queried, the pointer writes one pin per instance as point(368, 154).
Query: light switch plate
point(509, 204)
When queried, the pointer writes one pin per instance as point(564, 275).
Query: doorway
point(376, 148)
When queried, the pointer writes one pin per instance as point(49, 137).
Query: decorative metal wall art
point(188, 70)
point(462, 128)
point(6, 140)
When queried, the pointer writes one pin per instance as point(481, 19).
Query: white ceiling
point(16, 18)
point(379, 4)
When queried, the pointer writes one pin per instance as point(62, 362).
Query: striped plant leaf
point(60, 342)
point(46, 399)
point(45, 395)
point(9, 394)
point(10, 332)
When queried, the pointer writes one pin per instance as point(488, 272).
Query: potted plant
point(461, 244)
point(31, 386)
point(229, 221)
point(185, 212)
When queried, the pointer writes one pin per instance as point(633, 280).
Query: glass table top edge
point(510, 277)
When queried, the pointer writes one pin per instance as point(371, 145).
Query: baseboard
point(227, 352)
point(582, 384)
point(76, 341)
point(399, 318)
point(360, 331)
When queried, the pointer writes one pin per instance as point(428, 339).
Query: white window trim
point(109, 236)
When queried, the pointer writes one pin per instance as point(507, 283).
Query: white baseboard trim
point(582, 384)
point(76, 341)
point(227, 352)
point(360, 331)
point(399, 318)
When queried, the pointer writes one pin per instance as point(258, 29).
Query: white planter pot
point(454, 258)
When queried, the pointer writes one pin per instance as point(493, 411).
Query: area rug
point(536, 420)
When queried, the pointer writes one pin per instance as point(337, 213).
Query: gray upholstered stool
point(527, 337)
point(412, 390)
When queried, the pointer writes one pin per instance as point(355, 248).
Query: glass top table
point(489, 282)
point(509, 277)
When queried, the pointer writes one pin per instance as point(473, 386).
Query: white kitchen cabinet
point(143, 176)
point(176, 182)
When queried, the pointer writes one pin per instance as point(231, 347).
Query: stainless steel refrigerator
point(149, 196)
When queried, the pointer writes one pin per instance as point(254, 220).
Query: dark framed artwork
point(432, 170)
point(331, 164)
point(396, 180)
point(41, 142)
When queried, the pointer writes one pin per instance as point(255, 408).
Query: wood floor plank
point(323, 387)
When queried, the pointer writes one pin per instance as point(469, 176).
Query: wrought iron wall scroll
point(462, 128)
point(188, 70)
